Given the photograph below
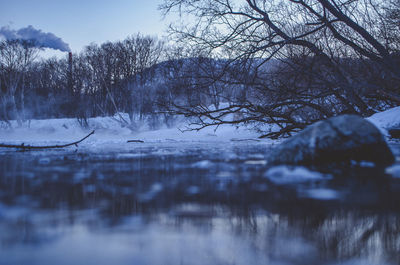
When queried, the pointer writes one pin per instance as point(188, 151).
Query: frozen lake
point(190, 203)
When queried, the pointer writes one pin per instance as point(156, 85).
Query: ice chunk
point(202, 164)
point(256, 162)
point(321, 194)
point(394, 171)
point(282, 175)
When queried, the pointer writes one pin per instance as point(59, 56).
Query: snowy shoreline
point(109, 130)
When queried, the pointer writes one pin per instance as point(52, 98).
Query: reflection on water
point(188, 204)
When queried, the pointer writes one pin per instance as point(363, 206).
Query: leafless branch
point(33, 147)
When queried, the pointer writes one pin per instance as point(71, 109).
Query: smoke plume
point(40, 38)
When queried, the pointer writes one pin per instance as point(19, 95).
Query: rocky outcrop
point(341, 138)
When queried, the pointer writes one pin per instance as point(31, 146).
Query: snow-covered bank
point(109, 129)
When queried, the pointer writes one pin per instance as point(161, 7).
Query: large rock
point(341, 138)
point(394, 133)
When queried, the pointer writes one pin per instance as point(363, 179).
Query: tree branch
point(33, 147)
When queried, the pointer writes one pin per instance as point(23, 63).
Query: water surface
point(189, 203)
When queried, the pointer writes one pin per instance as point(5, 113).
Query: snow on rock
point(386, 119)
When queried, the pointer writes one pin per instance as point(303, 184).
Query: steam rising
point(41, 39)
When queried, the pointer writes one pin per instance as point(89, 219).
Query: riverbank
point(110, 130)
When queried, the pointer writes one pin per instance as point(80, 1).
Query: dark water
point(185, 203)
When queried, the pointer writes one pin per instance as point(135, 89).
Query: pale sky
point(80, 22)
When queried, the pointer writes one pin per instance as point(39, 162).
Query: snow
point(111, 134)
point(394, 171)
point(283, 175)
point(386, 119)
point(111, 130)
point(202, 164)
point(321, 194)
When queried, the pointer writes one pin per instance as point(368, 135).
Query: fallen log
point(33, 147)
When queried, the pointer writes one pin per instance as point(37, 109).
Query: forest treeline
point(254, 64)
point(100, 81)
point(139, 76)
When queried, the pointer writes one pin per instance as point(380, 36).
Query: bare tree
point(314, 42)
point(140, 55)
point(107, 79)
point(115, 75)
point(16, 57)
